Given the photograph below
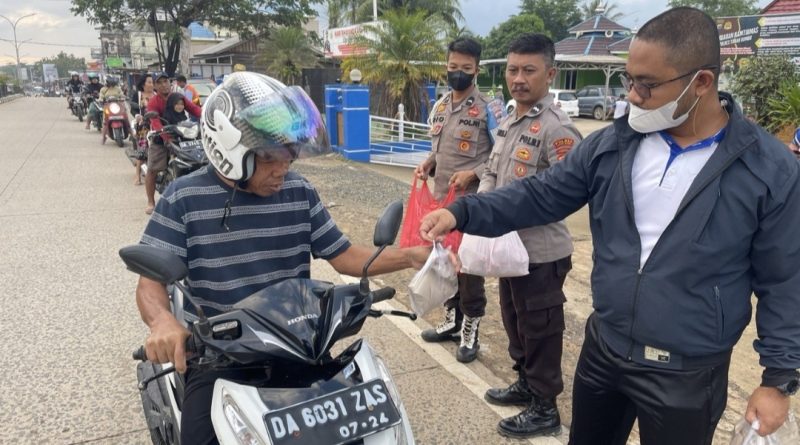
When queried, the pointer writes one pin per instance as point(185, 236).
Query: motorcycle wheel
point(155, 403)
point(118, 136)
point(80, 115)
point(166, 177)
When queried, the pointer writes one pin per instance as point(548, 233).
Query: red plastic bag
point(420, 203)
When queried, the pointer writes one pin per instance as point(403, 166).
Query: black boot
point(517, 394)
point(540, 418)
point(448, 329)
point(468, 349)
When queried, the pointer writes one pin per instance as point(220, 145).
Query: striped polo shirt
point(269, 239)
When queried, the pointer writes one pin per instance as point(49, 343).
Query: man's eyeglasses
point(643, 89)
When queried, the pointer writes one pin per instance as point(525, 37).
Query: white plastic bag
point(504, 256)
point(746, 434)
point(435, 283)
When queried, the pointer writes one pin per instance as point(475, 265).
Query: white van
point(564, 99)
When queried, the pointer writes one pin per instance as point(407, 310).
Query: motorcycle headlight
point(189, 132)
point(244, 432)
point(114, 107)
point(387, 378)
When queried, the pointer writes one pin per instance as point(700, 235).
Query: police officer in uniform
point(460, 147)
point(534, 137)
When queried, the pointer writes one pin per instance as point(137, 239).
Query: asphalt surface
point(69, 320)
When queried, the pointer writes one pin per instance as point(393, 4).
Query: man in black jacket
point(690, 209)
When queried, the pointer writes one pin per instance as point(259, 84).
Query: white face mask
point(650, 121)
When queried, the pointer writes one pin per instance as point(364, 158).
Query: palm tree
point(287, 51)
point(589, 9)
point(349, 12)
point(402, 54)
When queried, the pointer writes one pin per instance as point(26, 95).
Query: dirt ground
point(355, 195)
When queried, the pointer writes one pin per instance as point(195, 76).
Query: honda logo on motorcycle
point(301, 318)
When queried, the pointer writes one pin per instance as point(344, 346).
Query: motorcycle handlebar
point(191, 348)
point(383, 294)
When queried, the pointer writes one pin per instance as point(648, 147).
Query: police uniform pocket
point(524, 160)
point(543, 323)
point(466, 137)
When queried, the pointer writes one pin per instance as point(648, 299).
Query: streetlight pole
point(17, 45)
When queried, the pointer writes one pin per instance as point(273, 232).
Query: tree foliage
point(495, 44)
point(589, 9)
point(64, 63)
point(287, 51)
point(168, 19)
point(784, 107)
point(349, 12)
point(759, 81)
point(403, 53)
point(557, 15)
point(719, 8)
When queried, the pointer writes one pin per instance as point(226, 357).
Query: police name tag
point(656, 355)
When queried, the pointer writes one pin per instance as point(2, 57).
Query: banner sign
point(758, 35)
point(338, 41)
point(49, 72)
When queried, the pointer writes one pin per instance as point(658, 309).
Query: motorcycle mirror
point(162, 266)
point(388, 224)
point(385, 232)
point(154, 263)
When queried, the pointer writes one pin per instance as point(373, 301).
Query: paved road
point(69, 320)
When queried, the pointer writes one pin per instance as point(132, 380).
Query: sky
point(55, 29)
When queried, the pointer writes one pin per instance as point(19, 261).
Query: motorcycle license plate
point(335, 418)
point(188, 145)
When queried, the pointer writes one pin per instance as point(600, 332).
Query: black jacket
point(732, 236)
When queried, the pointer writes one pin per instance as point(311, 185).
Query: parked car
point(591, 97)
point(204, 88)
point(567, 101)
point(564, 99)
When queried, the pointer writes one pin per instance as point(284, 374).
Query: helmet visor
point(285, 119)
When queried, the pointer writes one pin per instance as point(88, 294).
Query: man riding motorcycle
point(253, 128)
point(93, 90)
point(111, 89)
point(74, 85)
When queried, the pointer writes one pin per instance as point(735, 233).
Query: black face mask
point(459, 80)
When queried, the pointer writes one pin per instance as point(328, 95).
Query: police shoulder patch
point(562, 146)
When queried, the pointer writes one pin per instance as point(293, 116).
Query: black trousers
point(673, 406)
point(196, 426)
point(471, 296)
point(532, 308)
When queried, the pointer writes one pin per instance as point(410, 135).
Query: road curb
point(5, 99)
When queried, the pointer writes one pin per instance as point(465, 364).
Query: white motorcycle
point(288, 329)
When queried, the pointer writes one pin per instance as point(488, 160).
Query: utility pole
point(17, 45)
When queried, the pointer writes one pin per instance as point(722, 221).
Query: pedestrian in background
point(620, 107)
point(691, 209)
point(535, 137)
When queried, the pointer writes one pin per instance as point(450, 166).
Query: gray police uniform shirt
point(459, 140)
point(523, 147)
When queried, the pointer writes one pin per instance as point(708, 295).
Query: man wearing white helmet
point(245, 222)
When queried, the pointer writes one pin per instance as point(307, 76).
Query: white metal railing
point(397, 141)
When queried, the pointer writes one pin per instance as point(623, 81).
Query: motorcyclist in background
point(111, 89)
point(74, 85)
point(93, 89)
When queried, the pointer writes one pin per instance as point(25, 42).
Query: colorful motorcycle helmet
point(251, 113)
point(796, 139)
point(93, 76)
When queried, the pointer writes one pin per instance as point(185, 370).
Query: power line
point(28, 42)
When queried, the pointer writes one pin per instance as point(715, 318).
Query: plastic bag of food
point(504, 256)
point(747, 434)
point(435, 283)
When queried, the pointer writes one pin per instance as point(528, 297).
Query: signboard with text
point(49, 72)
point(758, 35)
point(338, 42)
